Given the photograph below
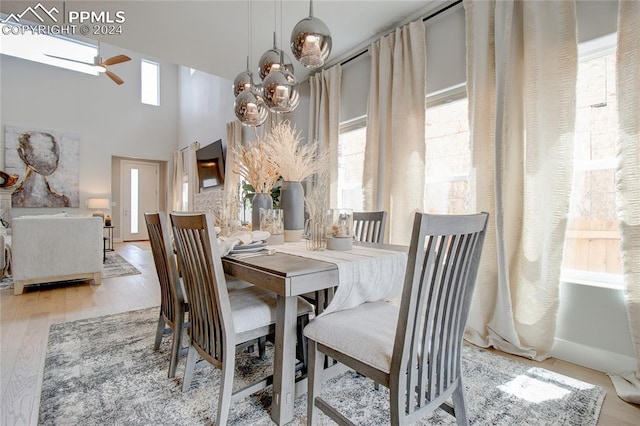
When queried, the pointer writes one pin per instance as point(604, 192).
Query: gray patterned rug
point(105, 371)
point(114, 266)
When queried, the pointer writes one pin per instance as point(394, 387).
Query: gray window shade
point(356, 76)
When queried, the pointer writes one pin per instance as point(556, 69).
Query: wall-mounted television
point(210, 160)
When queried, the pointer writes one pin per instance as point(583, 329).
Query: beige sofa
point(52, 248)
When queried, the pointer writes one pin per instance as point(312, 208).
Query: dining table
point(288, 276)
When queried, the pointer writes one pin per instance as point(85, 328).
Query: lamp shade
point(98, 203)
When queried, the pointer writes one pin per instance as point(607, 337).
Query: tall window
point(134, 201)
point(353, 137)
point(38, 47)
point(150, 78)
point(592, 247)
point(448, 154)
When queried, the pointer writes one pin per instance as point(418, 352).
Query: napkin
point(226, 244)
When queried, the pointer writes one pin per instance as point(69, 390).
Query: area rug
point(105, 371)
point(114, 266)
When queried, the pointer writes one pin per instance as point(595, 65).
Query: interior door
point(140, 186)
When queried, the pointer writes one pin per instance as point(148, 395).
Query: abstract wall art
point(47, 163)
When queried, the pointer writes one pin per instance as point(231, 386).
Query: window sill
point(593, 279)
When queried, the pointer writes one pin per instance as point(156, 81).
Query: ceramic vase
point(260, 201)
point(292, 203)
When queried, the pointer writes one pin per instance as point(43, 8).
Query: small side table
point(108, 242)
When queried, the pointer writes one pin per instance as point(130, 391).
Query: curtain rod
point(424, 19)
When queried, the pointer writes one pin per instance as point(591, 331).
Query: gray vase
point(292, 203)
point(260, 201)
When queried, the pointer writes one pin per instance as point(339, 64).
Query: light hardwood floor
point(25, 321)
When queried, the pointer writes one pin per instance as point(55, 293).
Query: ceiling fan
point(100, 65)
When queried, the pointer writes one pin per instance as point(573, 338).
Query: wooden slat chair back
point(369, 226)
point(172, 302)
point(203, 281)
point(221, 320)
point(422, 367)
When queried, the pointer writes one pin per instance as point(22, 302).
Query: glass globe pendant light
point(280, 89)
point(273, 57)
point(249, 105)
point(311, 41)
point(243, 81)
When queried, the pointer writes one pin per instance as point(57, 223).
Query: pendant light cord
point(275, 22)
point(281, 45)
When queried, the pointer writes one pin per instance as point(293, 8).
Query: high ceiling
point(212, 36)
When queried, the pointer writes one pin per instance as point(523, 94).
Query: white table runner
point(366, 274)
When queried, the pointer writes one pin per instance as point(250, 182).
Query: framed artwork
point(47, 163)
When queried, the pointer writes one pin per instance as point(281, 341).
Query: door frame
point(123, 163)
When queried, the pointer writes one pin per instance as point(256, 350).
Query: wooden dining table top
point(284, 274)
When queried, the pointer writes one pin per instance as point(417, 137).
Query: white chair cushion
point(253, 307)
point(366, 332)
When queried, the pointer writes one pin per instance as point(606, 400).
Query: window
point(592, 245)
point(448, 154)
point(134, 201)
point(36, 47)
point(351, 143)
point(150, 78)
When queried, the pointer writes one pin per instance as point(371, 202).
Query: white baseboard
point(594, 358)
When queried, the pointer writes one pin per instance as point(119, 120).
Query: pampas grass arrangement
point(293, 160)
point(255, 165)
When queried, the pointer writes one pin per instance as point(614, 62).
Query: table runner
point(366, 274)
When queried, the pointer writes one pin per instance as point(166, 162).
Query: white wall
point(109, 118)
point(205, 106)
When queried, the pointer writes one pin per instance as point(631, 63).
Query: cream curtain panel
point(521, 81)
point(628, 180)
point(194, 184)
point(393, 176)
point(234, 141)
point(324, 121)
point(176, 181)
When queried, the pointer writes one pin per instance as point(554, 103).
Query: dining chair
point(414, 349)
point(369, 226)
point(221, 319)
point(172, 302)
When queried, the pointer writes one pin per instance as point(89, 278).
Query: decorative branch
point(294, 161)
point(255, 165)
